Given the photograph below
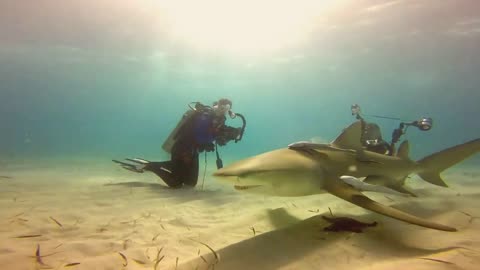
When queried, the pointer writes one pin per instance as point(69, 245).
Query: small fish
point(124, 258)
point(28, 236)
point(157, 262)
point(56, 221)
point(155, 237)
point(158, 253)
point(71, 264)
point(39, 258)
point(138, 261)
point(437, 260)
point(215, 254)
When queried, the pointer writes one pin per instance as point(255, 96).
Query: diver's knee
point(174, 185)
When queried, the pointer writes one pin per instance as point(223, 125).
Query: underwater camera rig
point(227, 133)
point(423, 124)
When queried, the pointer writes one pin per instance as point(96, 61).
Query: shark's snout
point(226, 176)
point(239, 177)
point(237, 169)
point(221, 173)
point(237, 187)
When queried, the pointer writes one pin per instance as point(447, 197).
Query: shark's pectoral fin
point(363, 186)
point(390, 183)
point(348, 193)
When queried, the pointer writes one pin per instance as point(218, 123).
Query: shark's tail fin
point(434, 164)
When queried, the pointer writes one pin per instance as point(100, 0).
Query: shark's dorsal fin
point(350, 137)
point(403, 150)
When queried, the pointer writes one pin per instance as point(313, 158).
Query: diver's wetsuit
point(371, 132)
point(196, 135)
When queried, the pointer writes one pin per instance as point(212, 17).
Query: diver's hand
point(221, 141)
point(228, 134)
point(208, 147)
point(239, 132)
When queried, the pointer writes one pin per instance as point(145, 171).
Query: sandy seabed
point(79, 215)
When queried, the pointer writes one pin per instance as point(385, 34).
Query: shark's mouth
point(237, 187)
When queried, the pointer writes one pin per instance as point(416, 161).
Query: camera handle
point(398, 132)
point(402, 129)
point(244, 124)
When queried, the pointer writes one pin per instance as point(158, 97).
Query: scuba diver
point(201, 129)
point(371, 137)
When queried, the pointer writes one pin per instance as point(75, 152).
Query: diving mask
point(222, 108)
point(355, 108)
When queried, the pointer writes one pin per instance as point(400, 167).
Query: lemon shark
point(344, 169)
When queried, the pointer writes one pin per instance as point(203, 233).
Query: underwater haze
point(108, 78)
point(85, 82)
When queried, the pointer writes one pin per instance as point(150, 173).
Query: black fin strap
point(219, 160)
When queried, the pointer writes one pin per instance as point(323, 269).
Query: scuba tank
point(187, 116)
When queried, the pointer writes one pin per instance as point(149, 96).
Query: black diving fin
point(138, 167)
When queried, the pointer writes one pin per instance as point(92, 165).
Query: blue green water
point(84, 82)
point(93, 94)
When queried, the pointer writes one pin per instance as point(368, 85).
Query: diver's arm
point(227, 134)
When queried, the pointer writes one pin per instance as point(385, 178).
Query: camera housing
point(424, 124)
point(227, 134)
